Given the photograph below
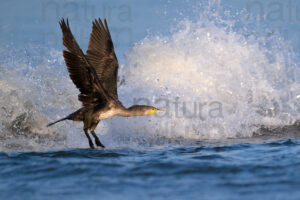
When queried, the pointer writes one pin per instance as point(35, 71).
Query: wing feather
point(80, 72)
point(102, 57)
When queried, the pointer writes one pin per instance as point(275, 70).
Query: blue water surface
point(265, 170)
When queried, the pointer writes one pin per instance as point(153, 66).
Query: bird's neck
point(129, 112)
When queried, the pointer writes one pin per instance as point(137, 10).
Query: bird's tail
point(58, 121)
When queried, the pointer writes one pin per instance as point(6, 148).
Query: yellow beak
point(156, 111)
point(159, 111)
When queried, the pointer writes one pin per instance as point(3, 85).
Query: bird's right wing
point(81, 72)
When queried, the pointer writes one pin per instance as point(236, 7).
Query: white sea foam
point(226, 82)
point(216, 82)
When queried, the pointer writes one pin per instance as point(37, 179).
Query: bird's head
point(140, 110)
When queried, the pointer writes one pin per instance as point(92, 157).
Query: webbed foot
point(98, 143)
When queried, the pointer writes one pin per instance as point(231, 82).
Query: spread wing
point(81, 73)
point(102, 57)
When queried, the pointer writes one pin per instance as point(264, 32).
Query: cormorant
point(95, 75)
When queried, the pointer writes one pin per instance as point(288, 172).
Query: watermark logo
point(281, 17)
point(119, 17)
point(189, 110)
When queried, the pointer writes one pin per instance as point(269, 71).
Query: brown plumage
point(95, 75)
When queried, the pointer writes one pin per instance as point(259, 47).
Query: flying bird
point(95, 75)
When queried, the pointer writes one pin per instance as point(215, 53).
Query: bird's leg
point(89, 138)
point(98, 143)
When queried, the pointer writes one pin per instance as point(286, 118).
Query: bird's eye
point(152, 111)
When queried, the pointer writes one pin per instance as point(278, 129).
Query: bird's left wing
point(102, 57)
